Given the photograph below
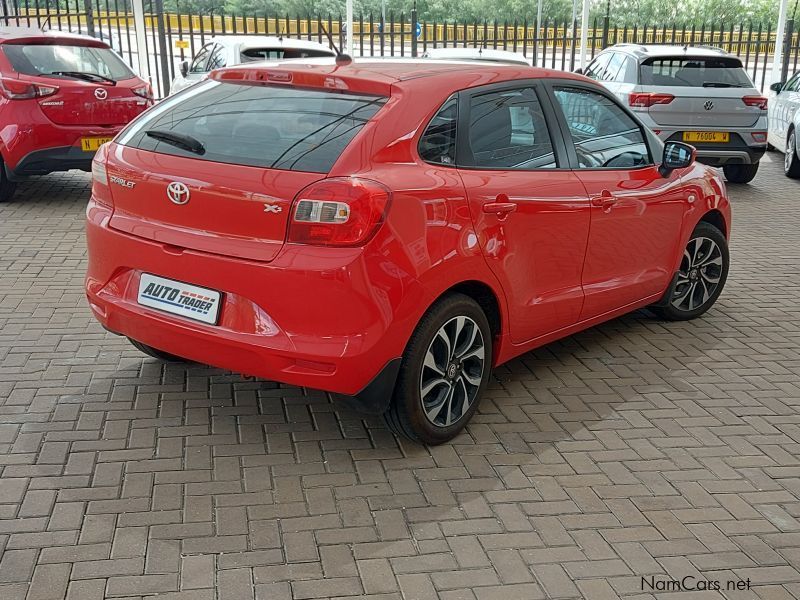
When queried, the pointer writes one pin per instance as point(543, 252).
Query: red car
point(389, 231)
point(61, 97)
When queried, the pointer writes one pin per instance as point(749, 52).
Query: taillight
point(760, 137)
point(645, 100)
point(100, 190)
point(14, 89)
point(341, 211)
point(757, 101)
point(145, 91)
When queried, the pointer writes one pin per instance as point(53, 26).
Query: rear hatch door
point(217, 167)
point(94, 86)
point(707, 90)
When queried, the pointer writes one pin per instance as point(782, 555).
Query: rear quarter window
point(684, 71)
point(294, 129)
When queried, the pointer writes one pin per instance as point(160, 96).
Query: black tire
point(156, 353)
point(406, 415)
point(791, 161)
point(7, 187)
point(680, 307)
point(740, 173)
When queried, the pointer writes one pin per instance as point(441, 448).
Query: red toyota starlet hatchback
point(390, 231)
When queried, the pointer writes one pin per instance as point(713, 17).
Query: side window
point(438, 143)
point(217, 60)
point(507, 130)
point(614, 67)
point(627, 73)
point(597, 66)
point(199, 63)
point(793, 85)
point(603, 134)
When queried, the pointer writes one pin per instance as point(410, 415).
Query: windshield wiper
point(720, 84)
point(86, 76)
point(184, 142)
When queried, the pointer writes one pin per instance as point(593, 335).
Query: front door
point(636, 213)
point(530, 210)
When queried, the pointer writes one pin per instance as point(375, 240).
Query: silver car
point(225, 51)
point(701, 96)
point(784, 123)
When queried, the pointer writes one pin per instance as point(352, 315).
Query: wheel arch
point(717, 219)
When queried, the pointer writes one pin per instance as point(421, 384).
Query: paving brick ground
point(636, 449)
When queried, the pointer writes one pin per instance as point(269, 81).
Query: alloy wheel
point(790, 153)
point(452, 372)
point(699, 275)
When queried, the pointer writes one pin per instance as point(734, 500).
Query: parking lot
point(608, 464)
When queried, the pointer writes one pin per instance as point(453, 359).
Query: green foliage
point(622, 12)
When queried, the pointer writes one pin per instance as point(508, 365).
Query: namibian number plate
point(178, 298)
point(91, 144)
point(707, 136)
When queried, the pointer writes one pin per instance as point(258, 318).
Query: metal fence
point(171, 38)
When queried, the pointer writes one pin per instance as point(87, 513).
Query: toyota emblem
point(178, 192)
point(100, 94)
point(708, 105)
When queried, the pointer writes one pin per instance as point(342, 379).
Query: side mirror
point(184, 68)
point(579, 71)
point(677, 155)
point(777, 87)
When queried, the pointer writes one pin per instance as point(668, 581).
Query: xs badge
point(272, 208)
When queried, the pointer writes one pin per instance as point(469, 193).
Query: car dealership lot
point(636, 449)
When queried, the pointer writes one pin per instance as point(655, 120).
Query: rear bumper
point(737, 151)
point(321, 325)
point(48, 160)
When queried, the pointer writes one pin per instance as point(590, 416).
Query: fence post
point(162, 47)
point(414, 31)
point(787, 50)
point(605, 32)
point(87, 7)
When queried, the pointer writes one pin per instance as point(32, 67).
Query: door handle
point(499, 208)
point(605, 200)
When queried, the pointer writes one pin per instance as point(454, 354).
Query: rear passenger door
point(636, 213)
point(530, 210)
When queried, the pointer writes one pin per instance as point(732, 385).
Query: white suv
point(701, 96)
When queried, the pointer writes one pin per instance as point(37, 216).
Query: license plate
point(707, 136)
point(91, 144)
point(178, 298)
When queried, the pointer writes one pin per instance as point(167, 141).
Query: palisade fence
point(173, 37)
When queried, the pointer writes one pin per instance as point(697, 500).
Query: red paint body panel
point(332, 318)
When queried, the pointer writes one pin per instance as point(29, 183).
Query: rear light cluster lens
point(144, 91)
point(14, 89)
point(100, 189)
point(645, 100)
point(341, 211)
point(759, 137)
point(757, 101)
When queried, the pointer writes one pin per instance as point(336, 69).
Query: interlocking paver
point(637, 448)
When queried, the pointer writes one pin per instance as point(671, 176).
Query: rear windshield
point(287, 128)
point(56, 60)
point(253, 54)
point(683, 71)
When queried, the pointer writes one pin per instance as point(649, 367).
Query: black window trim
point(559, 147)
point(551, 84)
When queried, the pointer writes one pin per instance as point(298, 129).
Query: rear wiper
point(184, 142)
point(720, 84)
point(86, 76)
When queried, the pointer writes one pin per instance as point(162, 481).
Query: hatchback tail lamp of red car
point(389, 232)
point(61, 97)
